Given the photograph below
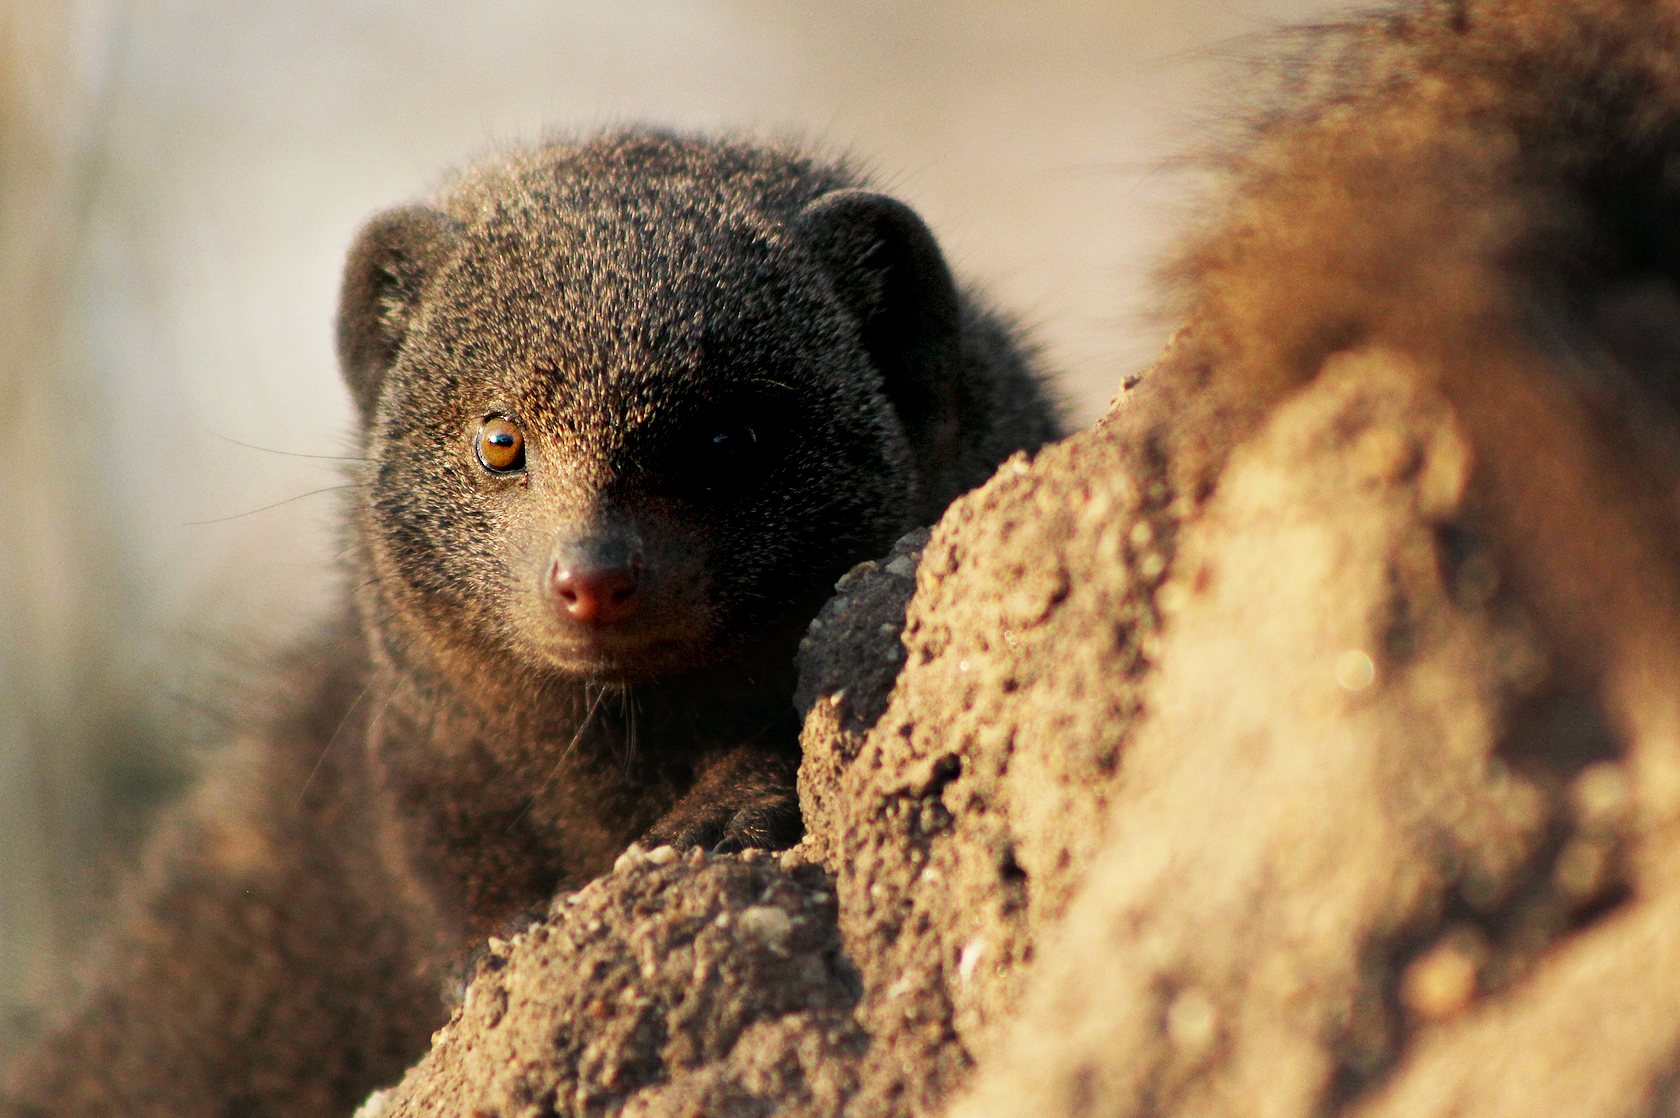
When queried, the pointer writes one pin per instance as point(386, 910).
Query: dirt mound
point(677, 985)
point(1371, 850)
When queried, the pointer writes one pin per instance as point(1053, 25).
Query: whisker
point(275, 505)
point(337, 730)
point(287, 453)
point(588, 716)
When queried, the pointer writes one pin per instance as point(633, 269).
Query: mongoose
point(629, 406)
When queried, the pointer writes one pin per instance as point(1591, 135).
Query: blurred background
point(180, 178)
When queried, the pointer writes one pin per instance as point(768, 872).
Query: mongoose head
point(632, 404)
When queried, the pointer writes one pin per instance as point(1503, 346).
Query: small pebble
point(1354, 670)
point(968, 958)
point(1441, 982)
point(1172, 596)
point(767, 924)
point(1192, 1022)
point(377, 1105)
point(851, 576)
point(631, 859)
point(1600, 797)
point(662, 855)
point(1581, 869)
point(1383, 454)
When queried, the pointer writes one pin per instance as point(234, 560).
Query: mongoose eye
point(734, 444)
point(501, 445)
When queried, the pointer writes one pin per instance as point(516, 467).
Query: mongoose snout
point(594, 595)
point(617, 594)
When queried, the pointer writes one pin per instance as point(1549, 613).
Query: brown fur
point(1492, 190)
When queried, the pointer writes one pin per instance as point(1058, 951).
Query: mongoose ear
point(389, 265)
point(888, 270)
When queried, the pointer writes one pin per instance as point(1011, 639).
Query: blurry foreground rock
point(1302, 740)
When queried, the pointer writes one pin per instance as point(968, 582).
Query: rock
point(674, 986)
point(958, 821)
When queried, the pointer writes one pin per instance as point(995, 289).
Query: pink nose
point(597, 597)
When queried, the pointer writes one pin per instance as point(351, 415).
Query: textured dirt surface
point(1364, 813)
point(677, 985)
point(959, 821)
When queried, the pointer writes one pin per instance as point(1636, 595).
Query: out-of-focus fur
point(1492, 190)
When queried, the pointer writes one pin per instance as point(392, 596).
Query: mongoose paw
point(746, 801)
point(771, 823)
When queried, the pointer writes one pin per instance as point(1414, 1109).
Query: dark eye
point(501, 445)
point(733, 445)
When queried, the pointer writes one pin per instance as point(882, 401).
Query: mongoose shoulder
point(629, 406)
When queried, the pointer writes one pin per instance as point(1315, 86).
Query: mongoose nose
point(597, 596)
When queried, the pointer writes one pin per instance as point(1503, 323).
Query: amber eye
point(501, 446)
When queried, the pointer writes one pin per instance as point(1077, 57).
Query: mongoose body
point(629, 407)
